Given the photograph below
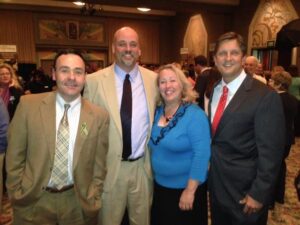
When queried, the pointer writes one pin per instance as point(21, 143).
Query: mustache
point(128, 53)
point(70, 83)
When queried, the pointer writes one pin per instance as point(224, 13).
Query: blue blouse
point(181, 150)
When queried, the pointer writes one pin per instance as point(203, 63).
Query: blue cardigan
point(181, 150)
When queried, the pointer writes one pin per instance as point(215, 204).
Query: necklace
point(168, 118)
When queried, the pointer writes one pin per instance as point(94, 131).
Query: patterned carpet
point(287, 214)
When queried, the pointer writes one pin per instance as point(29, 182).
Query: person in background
point(10, 88)
point(277, 68)
point(281, 81)
point(250, 66)
point(56, 156)
point(201, 65)
point(39, 83)
point(202, 78)
point(294, 89)
point(128, 92)
point(260, 70)
point(246, 115)
point(186, 73)
point(180, 151)
point(4, 120)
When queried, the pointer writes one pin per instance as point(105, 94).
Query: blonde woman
point(180, 150)
point(10, 88)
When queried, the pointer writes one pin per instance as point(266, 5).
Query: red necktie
point(220, 109)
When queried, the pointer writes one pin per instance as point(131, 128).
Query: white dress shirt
point(140, 116)
point(73, 119)
point(232, 86)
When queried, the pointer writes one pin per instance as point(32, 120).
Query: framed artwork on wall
point(67, 30)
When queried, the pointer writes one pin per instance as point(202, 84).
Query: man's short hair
point(200, 60)
point(231, 36)
point(67, 52)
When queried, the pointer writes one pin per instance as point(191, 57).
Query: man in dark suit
point(56, 157)
point(248, 140)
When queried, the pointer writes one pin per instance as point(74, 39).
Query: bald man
point(128, 182)
point(250, 66)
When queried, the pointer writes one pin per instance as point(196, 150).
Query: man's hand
point(251, 205)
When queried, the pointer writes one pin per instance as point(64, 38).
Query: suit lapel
point(48, 115)
point(109, 89)
point(233, 106)
point(84, 126)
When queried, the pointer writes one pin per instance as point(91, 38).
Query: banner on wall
point(8, 53)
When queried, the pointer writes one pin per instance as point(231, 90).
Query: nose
point(72, 75)
point(228, 56)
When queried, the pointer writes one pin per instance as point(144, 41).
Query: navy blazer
point(248, 145)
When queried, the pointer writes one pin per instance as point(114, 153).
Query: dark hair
point(200, 60)
point(213, 77)
point(231, 36)
point(67, 52)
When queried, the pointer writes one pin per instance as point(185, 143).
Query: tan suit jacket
point(101, 90)
point(31, 150)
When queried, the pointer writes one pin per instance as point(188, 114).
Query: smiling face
point(126, 48)
point(169, 86)
point(229, 59)
point(69, 74)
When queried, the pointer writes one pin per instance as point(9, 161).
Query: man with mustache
point(129, 180)
point(56, 157)
point(247, 144)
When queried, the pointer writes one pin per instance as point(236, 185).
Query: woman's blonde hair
point(188, 94)
point(14, 79)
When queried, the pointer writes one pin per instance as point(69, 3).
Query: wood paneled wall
point(148, 36)
point(17, 29)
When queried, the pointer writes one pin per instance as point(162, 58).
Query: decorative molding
point(269, 18)
point(69, 31)
point(195, 38)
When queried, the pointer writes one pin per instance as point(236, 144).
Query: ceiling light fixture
point(143, 9)
point(79, 3)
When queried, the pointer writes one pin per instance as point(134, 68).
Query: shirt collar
point(121, 73)
point(61, 102)
point(236, 83)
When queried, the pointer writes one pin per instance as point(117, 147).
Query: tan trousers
point(51, 209)
point(133, 189)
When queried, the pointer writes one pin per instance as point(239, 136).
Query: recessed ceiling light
point(79, 3)
point(143, 9)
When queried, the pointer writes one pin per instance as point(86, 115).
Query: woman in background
point(281, 81)
point(180, 149)
point(10, 88)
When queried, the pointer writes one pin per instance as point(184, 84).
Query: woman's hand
point(188, 195)
point(186, 200)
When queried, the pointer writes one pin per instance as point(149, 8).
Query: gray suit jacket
point(31, 150)
point(101, 89)
point(248, 146)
